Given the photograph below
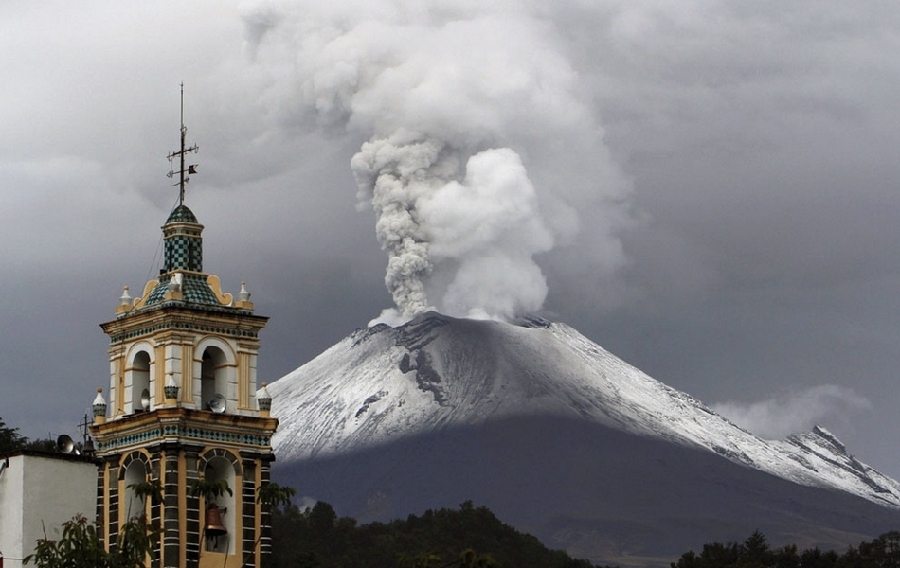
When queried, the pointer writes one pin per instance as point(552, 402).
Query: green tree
point(815, 558)
point(145, 489)
point(10, 439)
point(270, 495)
point(322, 519)
point(754, 553)
point(209, 489)
point(787, 557)
point(273, 495)
point(883, 552)
point(317, 538)
point(42, 445)
point(80, 546)
point(713, 555)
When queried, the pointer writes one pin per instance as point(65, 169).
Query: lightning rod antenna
point(182, 170)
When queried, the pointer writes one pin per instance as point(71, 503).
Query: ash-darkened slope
point(599, 493)
point(559, 438)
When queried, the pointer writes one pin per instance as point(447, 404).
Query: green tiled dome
point(183, 252)
point(181, 214)
point(195, 290)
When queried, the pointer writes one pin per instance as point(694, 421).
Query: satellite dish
point(66, 445)
point(216, 404)
point(145, 399)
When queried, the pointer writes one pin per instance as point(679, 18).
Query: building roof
point(181, 214)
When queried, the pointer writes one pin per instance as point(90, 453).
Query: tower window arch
point(140, 381)
point(222, 465)
point(213, 375)
point(135, 473)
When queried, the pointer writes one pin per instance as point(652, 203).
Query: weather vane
point(191, 168)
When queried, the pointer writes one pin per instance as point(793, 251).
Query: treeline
point(471, 536)
point(474, 537)
point(754, 552)
point(11, 441)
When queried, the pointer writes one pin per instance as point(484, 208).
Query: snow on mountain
point(385, 384)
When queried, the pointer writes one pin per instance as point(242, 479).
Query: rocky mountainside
point(560, 438)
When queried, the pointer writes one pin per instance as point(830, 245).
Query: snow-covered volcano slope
point(382, 385)
point(560, 439)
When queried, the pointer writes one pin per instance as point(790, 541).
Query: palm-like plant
point(142, 490)
point(273, 495)
point(145, 489)
point(269, 495)
point(81, 545)
point(209, 489)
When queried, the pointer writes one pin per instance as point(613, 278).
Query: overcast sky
point(707, 189)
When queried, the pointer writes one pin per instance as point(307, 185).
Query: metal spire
point(191, 168)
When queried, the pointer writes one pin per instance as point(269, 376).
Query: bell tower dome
point(182, 413)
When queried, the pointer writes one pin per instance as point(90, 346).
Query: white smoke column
point(396, 174)
point(460, 104)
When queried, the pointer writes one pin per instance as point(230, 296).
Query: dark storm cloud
point(759, 141)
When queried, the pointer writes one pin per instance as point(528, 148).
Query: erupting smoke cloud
point(464, 106)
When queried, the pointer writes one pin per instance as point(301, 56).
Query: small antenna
point(87, 444)
point(191, 168)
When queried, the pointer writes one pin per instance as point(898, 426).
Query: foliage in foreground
point(317, 538)
point(80, 546)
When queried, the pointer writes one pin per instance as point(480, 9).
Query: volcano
point(561, 439)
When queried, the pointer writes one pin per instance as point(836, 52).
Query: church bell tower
point(183, 412)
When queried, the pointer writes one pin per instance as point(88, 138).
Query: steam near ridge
point(796, 412)
point(482, 151)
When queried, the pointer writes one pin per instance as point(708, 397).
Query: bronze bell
point(214, 526)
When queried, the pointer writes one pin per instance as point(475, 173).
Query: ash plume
point(482, 153)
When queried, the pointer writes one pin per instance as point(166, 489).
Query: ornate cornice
point(184, 426)
point(175, 316)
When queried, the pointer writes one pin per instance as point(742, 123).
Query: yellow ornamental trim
point(148, 287)
point(216, 286)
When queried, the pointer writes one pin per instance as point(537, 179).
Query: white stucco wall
point(39, 491)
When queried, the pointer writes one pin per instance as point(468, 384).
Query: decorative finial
point(191, 168)
point(264, 400)
point(171, 388)
point(243, 298)
point(244, 295)
point(125, 299)
point(176, 282)
point(99, 407)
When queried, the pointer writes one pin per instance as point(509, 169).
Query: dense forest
point(882, 552)
point(471, 536)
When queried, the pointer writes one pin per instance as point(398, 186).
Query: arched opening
point(140, 382)
point(213, 379)
point(221, 468)
point(135, 473)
